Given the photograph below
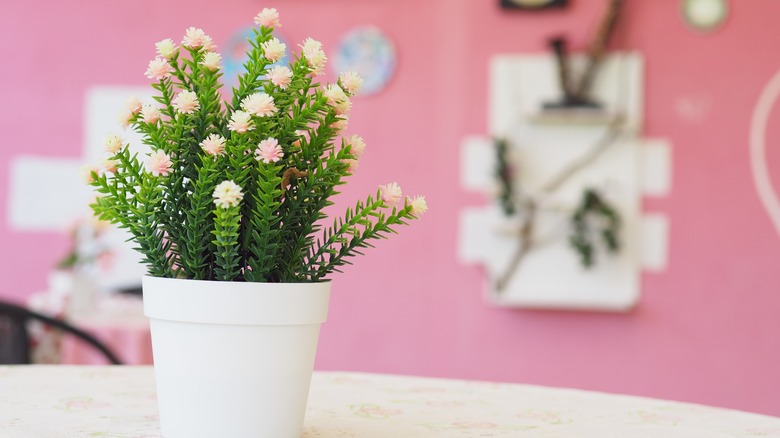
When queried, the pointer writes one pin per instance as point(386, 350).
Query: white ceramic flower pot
point(233, 359)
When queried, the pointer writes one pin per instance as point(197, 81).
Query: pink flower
point(351, 81)
point(259, 104)
point(109, 166)
point(312, 50)
point(240, 121)
point(337, 98)
point(126, 117)
point(166, 48)
point(268, 18)
point(273, 49)
point(269, 151)
point(194, 38)
point(133, 104)
point(159, 69)
point(186, 102)
point(208, 44)
point(113, 144)
point(341, 123)
point(214, 144)
point(303, 134)
point(419, 206)
point(391, 194)
point(227, 194)
point(151, 114)
point(280, 76)
point(159, 163)
point(358, 146)
point(211, 60)
point(352, 165)
point(310, 47)
point(87, 172)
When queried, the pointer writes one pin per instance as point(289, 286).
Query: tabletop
point(38, 401)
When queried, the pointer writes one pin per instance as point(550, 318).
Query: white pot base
point(221, 379)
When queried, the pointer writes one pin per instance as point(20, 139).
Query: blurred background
point(704, 327)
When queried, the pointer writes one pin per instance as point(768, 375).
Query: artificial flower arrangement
point(235, 190)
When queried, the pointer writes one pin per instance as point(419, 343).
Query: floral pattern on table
point(120, 402)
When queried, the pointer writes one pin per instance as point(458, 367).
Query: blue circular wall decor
point(234, 54)
point(369, 52)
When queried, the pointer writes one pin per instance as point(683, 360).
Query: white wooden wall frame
point(36, 205)
point(542, 144)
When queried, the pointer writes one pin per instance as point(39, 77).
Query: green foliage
point(347, 235)
point(226, 228)
point(263, 241)
point(503, 172)
point(594, 219)
point(273, 231)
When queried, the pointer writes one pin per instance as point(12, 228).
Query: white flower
point(341, 122)
point(391, 194)
point(150, 113)
point(133, 104)
point(351, 82)
point(280, 76)
point(268, 17)
point(273, 49)
point(311, 46)
point(194, 38)
point(259, 104)
point(211, 60)
point(419, 206)
point(159, 69)
point(109, 165)
point(126, 118)
point(312, 50)
point(86, 173)
point(186, 102)
point(159, 164)
point(208, 44)
point(113, 144)
point(358, 145)
point(337, 98)
point(166, 48)
point(214, 144)
point(240, 121)
point(227, 194)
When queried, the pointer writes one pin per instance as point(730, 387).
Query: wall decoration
point(565, 224)
point(35, 205)
point(575, 90)
point(758, 153)
point(528, 255)
point(235, 54)
point(705, 15)
point(533, 4)
point(369, 52)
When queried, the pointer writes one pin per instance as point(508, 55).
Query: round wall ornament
point(369, 52)
point(705, 15)
point(235, 54)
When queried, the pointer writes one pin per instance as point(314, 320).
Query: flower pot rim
point(237, 282)
point(235, 302)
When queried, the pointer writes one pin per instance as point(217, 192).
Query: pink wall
point(705, 330)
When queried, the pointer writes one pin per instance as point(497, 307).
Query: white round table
point(39, 401)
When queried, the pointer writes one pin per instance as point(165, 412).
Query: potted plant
point(227, 210)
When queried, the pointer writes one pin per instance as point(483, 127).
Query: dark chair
point(15, 339)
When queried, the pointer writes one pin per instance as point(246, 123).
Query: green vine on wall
point(595, 219)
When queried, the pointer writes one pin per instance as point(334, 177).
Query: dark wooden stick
point(598, 48)
point(564, 72)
